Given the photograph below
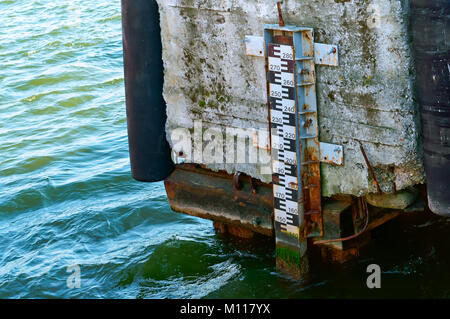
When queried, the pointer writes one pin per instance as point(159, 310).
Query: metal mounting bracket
point(324, 54)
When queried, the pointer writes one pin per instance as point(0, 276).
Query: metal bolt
point(304, 71)
point(307, 123)
point(256, 221)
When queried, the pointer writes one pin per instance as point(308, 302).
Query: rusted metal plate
point(203, 193)
point(254, 45)
point(326, 54)
point(287, 28)
point(331, 154)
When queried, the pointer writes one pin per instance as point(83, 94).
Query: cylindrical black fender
point(146, 109)
point(430, 28)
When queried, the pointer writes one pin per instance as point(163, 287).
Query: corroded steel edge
point(199, 192)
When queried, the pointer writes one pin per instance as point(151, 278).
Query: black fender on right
point(430, 28)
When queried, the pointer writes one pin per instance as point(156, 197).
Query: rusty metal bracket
point(254, 45)
point(200, 192)
point(331, 154)
point(237, 185)
point(362, 205)
point(324, 54)
point(252, 186)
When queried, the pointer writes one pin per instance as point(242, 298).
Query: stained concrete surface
point(367, 99)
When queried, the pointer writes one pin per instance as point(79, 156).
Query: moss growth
point(288, 255)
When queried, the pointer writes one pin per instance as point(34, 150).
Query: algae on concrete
point(367, 99)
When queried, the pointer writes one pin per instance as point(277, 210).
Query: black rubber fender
point(430, 28)
point(145, 106)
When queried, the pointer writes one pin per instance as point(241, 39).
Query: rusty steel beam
point(200, 192)
point(196, 191)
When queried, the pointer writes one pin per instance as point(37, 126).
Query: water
point(67, 198)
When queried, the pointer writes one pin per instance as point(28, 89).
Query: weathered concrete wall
point(368, 98)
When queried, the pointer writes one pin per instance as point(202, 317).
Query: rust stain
point(199, 192)
point(312, 154)
point(280, 15)
point(307, 123)
point(265, 145)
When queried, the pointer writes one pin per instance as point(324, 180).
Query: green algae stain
point(288, 255)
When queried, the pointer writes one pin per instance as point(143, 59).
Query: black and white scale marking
point(284, 136)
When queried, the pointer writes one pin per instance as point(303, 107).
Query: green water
point(67, 198)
